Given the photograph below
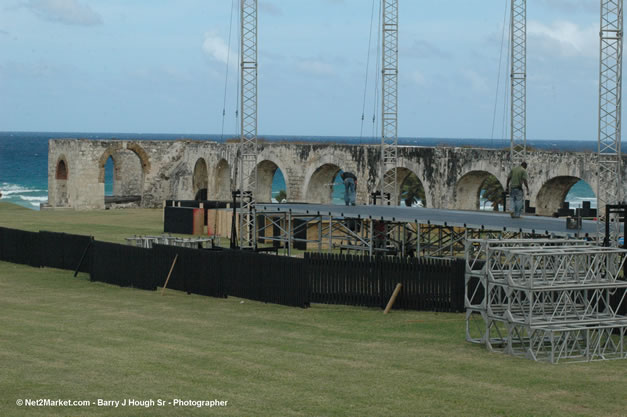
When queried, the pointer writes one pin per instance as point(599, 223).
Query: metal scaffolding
point(377, 230)
point(389, 135)
point(247, 151)
point(546, 299)
point(609, 189)
point(518, 74)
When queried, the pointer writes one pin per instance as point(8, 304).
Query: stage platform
point(439, 217)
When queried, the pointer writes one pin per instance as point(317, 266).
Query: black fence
point(427, 283)
point(66, 251)
point(123, 265)
point(270, 278)
point(55, 250)
point(20, 247)
point(195, 272)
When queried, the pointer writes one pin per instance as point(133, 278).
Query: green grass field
point(67, 338)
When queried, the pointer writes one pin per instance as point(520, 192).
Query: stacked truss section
point(546, 299)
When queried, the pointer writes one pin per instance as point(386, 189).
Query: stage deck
point(439, 217)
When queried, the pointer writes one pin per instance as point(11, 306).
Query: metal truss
point(389, 135)
point(565, 306)
point(481, 247)
point(518, 108)
point(440, 240)
point(555, 267)
point(550, 343)
point(568, 343)
point(546, 299)
point(609, 189)
point(365, 236)
point(247, 151)
point(384, 237)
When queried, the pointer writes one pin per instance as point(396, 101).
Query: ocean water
point(24, 160)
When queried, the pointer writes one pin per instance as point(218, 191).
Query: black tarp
point(178, 220)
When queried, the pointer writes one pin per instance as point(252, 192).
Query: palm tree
point(493, 192)
point(282, 195)
point(412, 191)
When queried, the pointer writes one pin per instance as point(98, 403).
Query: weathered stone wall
point(160, 170)
point(128, 176)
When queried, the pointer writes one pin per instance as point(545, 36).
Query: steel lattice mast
point(518, 116)
point(389, 119)
point(247, 152)
point(609, 189)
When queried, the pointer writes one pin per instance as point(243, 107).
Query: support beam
point(247, 151)
point(518, 74)
point(389, 134)
point(609, 189)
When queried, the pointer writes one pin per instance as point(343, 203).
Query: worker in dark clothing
point(350, 186)
point(516, 179)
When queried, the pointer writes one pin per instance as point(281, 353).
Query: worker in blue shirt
point(350, 186)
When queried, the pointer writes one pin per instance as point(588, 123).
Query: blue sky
point(158, 66)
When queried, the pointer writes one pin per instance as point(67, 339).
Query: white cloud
point(477, 82)
point(570, 6)
point(217, 49)
point(70, 12)
point(270, 8)
point(565, 38)
point(418, 78)
point(316, 67)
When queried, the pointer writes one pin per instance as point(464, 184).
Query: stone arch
point(61, 176)
point(403, 175)
point(130, 165)
point(141, 154)
point(116, 148)
point(222, 181)
point(320, 184)
point(266, 170)
point(468, 190)
point(553, 193)
point(62, 169)
point(200, 179)
point(108, 153)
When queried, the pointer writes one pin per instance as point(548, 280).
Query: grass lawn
point(107, 225)
point(67, 338)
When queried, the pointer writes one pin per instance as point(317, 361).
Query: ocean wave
point(34, 204)
point(10, 189)
point(583, 199)
point(27, 198)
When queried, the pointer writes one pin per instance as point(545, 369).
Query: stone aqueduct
point(160, 170)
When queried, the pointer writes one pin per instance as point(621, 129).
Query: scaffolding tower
point(247, 150)
point(518, 74)
point(546, 299)
point(389, 134)
point(609, 189)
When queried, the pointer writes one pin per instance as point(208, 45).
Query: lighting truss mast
point(609, 189)
point(389, 135)
point(247, 151)
point(518, 116)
